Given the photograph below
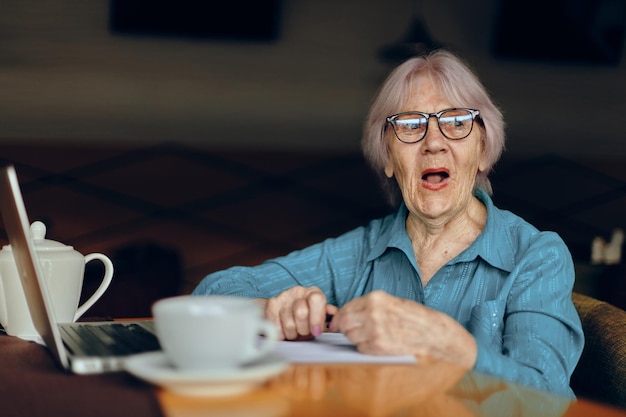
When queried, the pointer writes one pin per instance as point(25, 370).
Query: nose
point(434, 141)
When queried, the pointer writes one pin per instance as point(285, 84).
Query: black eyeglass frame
point(392, 121)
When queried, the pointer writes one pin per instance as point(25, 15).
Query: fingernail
point(316, 331)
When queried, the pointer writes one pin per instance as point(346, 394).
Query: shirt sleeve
point(534, 336)
point(330, 265)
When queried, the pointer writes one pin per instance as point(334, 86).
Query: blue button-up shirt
point(511, 289)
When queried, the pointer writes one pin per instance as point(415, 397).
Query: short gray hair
point(459, 84)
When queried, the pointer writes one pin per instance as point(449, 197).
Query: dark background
point(187, 136)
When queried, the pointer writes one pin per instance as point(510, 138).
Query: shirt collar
point(393, 235)
point(493, 244)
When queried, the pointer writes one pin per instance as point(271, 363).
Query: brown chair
point(601, 372)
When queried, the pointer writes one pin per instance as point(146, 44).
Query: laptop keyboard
point(110, 339)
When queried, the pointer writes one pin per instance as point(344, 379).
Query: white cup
point(212, 332)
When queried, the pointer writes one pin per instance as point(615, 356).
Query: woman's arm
point(299, 289)
point(332, 266)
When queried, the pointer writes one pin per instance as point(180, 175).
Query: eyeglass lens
point(454, 124)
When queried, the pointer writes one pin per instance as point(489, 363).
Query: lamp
point(416, 41)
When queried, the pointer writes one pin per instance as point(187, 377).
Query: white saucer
point(155, 368)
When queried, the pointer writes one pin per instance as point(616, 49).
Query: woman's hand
point(299, 312)
point(381, 324)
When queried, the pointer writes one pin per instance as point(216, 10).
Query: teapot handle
point(106, 281)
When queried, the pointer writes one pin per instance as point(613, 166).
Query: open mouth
point(435, 177)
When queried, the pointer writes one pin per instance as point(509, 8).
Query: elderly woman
point(447, 276)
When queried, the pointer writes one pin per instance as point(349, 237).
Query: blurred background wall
point(65, 75)
point(185, 136)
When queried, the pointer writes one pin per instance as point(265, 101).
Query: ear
point(482, 165)
point(388, 170)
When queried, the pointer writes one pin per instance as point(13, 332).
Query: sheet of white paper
point(332, 348)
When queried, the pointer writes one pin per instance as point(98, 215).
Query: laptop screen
point(27, 261)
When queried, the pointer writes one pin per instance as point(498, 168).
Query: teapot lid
point(38, 231)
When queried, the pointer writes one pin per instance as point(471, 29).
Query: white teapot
point(63, 269)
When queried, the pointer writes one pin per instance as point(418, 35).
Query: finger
point(288, 324)
point(349, 316)
point(278, 310)
point(316, 302)
point(272, 313)
point(331, 309)
point(300, 312)
point(357, 336)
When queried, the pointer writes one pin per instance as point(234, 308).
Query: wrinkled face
point(436, 175)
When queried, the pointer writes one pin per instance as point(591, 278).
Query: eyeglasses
point(411, 127)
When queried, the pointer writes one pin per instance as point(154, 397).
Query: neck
point(436, 243)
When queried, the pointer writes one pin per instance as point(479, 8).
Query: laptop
point(84, 347)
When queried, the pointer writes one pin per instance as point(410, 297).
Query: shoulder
point(349, 246)
point(525, 236)
point(375, 235)
point(513, 238)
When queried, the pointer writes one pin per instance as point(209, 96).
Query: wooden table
point(31, 385)
point(345, 390)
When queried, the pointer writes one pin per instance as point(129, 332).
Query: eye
point(411, 124)
point(456, 123)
